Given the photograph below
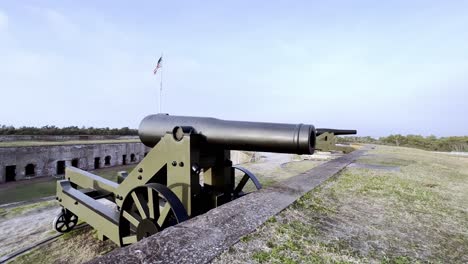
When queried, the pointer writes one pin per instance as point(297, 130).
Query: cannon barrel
point(235, 135)
point(337, 132)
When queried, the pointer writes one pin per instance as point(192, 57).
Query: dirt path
point(269, 161)
point(276, 167)
point(23, 226)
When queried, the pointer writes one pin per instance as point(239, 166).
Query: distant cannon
point(326, 139)
point(336, 132)
point(187, 172)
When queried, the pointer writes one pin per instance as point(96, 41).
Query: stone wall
point(48, 160)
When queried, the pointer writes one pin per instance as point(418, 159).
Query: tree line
point(71, 130)
point(432, 143)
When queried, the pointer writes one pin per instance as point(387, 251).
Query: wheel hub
point(146, 228)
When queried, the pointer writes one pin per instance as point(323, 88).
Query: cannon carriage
point(187, 172)
point(327, 141)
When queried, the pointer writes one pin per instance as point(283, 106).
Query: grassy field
point(38, 188)
point(78, 246)
point(418, 214)
point(6, 144)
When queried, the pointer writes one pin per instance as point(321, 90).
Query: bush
point(432, 143)
point(71, 130)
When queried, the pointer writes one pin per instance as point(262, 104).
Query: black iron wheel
point(147, 210)
point(65, 221)
point(239, 190)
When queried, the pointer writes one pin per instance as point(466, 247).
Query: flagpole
point(159, 65)
point(160, 90)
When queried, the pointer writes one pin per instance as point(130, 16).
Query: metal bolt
point(140, 170)
point(181, 164)
point(139, 177)
point(196, 168)
point(174, 163)
point(178, 133)
point(76, 203)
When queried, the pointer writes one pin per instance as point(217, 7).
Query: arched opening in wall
point(75, 163)
point(132, 158)
point(30, 170)
point(107, 160)
point(146, 153)
point(124, 159)
point(60, 167)
point(97, 163)
point(10, 173)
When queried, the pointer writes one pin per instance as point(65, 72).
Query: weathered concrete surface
point(202, 238)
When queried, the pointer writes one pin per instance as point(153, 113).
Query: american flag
point(159, 65)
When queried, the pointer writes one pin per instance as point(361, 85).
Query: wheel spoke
point(147, 210)
point(139, 205)
point(242, 184)
point(248, 174)
point(130, 218)
point(129, 240)
point(164, 213)
point(153, 206)
point(65, 221)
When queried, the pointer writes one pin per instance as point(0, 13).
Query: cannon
point(326, 139)
point(187, 172)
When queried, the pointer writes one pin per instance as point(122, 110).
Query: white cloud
point(57, 21)
point(3, 20)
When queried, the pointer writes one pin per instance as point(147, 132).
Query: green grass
point(275, 175)
point(111, 173)
point(24, 209)
point(416, 215)
point(26, 191)
point(78, 246)
point(3, 212)
point(7, 144)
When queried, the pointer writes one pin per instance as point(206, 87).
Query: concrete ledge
point(202, 238)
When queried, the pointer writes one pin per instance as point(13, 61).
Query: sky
point(381, 67)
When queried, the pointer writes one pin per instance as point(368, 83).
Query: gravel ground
point(25, 225)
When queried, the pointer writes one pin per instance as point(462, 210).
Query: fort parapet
point(25, 160)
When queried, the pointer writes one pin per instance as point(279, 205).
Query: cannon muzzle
point(235, 135)
point(337, 132)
